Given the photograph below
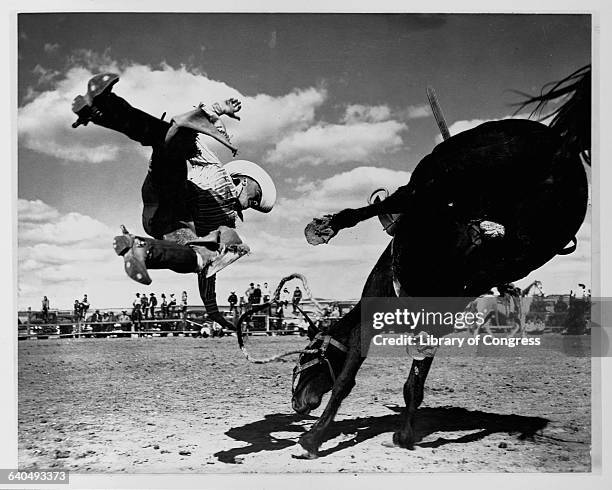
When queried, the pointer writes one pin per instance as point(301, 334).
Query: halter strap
point(326, 341)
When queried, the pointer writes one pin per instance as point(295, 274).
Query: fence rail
point(184, 322)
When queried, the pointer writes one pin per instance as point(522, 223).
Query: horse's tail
point(572, 119)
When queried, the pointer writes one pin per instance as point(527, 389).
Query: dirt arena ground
point(173, 405)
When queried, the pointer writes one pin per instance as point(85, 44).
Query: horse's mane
point(572, 119)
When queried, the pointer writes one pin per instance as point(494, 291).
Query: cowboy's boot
point(140, 254)
point(134, 252)
point(101, 106)
point(83, 105)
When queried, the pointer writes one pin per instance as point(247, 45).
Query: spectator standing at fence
point(265, 291)
point(77, 310)
point(257, 295)
point(232, 299)
point(144, 305)
point(45, 309)
point(248, 294)
point(172, 305)
point(184, 304)
point(152, 305)
point(164, 306)
point(241, 305)
point(84, 306)
point(136, 313)
point(297, 297)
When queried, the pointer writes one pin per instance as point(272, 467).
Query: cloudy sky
point(334, 106)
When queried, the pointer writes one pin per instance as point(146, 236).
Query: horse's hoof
point(402, 440)
point(304, 454)
point(389, 444)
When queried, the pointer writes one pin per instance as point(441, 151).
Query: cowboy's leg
point(141, 254)
point(114, 112)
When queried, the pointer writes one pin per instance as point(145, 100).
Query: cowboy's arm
point(321, 230)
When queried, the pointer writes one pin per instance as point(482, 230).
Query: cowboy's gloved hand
point(318, 231)
point(228, 107)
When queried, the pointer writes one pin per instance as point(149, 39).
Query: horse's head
point(316, 370)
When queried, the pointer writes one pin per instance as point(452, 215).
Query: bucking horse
point(458, 236)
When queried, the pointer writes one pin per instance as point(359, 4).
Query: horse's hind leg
point(413, 396)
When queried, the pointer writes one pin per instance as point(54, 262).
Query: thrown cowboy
point(190, 200)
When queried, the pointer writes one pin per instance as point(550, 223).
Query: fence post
point(29, 321)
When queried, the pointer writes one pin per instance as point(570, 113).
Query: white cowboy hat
point(259, 175)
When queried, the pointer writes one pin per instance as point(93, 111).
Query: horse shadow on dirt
point(259, 434)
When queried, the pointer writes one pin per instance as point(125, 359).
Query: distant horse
point(512, 306)
point(442, 245)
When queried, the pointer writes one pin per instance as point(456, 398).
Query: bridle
point(321, 357)
point(275, 300)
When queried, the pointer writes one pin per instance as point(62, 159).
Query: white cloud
point(60, 253)
point(344, 190)
point(35, 211)
point(51, 227)
point(44, 121)
point(360, 113)
point(418, 111)
point(334, 143)
point(286, 123)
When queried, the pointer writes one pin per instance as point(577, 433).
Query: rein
point(275, 300)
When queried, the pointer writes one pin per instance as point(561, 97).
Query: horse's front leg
point(312, 440)
point(413, 396)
